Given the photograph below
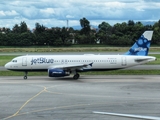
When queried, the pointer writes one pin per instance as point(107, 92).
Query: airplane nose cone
point(6, 66)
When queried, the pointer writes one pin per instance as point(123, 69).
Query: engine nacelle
point(58, 73)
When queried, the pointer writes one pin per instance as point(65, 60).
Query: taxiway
point(41, 97)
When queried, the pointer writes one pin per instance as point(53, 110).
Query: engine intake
point(58, 73)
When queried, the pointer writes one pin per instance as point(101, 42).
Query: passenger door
point(124, 61)
point(24, 61)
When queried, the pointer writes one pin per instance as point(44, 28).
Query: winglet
point(142, 45)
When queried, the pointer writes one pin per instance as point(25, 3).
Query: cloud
point(55, 12)
point(69, 16)
point(8, 14)
point(29, 12)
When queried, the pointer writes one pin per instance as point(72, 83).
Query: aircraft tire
point(25, 77)
point(76, 76)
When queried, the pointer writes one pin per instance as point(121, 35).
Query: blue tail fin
point(142, 45)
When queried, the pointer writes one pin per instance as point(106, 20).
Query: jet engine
point(58, 73)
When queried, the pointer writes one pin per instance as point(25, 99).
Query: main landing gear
point(76, 76)
point(25, 75)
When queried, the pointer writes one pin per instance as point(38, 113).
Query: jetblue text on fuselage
point(41, 60)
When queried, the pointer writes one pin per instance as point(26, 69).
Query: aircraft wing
point(70, 66)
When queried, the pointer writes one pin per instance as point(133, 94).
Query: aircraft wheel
point(76, 76)
point(25, 77)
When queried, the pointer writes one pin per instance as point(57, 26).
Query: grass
point(6, 58)
point(15, 73)
point(157, 62)
point(65, 49)
point(125, 72)
point(72, 49)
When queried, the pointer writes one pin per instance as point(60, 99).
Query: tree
point(23, 27)
point(104, 32)
point(105, 27)
point(119, 34)
point(39, 28)
point(85, 24)
point(156, 35)
point(131, 23)
point(20, 29)
point(24, 39)
point(64, 34)
point(16, 28)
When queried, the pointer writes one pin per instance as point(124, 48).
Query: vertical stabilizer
point(142, 45)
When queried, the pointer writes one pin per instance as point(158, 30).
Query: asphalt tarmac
point(41, 98)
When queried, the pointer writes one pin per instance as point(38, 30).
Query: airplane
point(64, 65)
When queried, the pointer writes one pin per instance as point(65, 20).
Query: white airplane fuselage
point(64, 65)
point(97, 62)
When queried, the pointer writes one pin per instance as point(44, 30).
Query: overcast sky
point(55, 13)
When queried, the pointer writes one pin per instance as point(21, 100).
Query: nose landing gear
point(25, 76)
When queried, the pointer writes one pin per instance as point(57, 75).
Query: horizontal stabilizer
point(142, 60)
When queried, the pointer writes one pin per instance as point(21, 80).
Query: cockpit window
point(14, 60)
